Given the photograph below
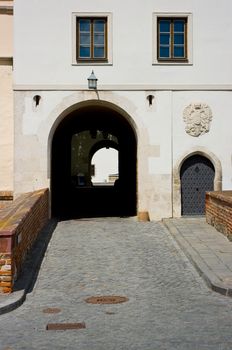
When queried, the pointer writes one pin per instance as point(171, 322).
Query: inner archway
point(77, 138)
point(104, 167)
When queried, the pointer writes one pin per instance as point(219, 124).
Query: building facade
point(163, 101)
point(6, 98)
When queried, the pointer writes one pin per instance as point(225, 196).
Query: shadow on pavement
point(31, 266)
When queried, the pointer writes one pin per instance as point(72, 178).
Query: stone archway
point(74, 142)
point(217, 183)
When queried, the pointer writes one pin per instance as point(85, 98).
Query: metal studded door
point(197, 177)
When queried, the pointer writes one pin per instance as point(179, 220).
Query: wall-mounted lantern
point(92, 81)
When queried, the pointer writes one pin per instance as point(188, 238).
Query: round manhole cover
point(107, 299)
point(51, 310)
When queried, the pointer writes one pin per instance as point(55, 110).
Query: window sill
point(172, 63)
point(92, 63)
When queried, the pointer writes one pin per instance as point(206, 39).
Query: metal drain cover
point(107, 299)
point(64, 326)
point(51, 310)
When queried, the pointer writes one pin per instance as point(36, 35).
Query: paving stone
point(169, 306)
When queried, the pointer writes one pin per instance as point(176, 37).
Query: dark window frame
point(91, 58)
point(172, 58)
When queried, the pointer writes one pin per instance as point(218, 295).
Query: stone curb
point(24, 284)
point(12, 301)
point(196, 260)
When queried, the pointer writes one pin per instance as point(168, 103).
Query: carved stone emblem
point(197, 117)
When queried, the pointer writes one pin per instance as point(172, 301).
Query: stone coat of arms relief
point(197, 117)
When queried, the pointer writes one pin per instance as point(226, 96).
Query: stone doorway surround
point(203, 151)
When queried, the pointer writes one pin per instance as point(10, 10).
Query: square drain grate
point(106, 299)
point(51, 310)
point(64, 326)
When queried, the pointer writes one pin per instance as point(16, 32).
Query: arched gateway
point(78, 136)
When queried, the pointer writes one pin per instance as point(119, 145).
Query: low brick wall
point(20, 224)
point(219, 211)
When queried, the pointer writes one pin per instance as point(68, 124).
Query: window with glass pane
point(91, 39)
point(172, 39)
point(84, 38)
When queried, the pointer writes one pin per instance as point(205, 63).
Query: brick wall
point(20, 224)
point(219, 211)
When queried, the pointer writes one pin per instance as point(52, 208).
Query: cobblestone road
point(169, 305)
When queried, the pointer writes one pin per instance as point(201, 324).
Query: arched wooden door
point(197, 177)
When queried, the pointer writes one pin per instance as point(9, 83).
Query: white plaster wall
point(43, 57)
point(154, 156)
point(43, 43)
point(34, 127)
point(218, 140)
point(6, 128)
point(6, 96)
point(6, 31)
point(160, 129)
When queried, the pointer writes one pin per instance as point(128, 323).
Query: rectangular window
point(172, 39)
point(91, 39)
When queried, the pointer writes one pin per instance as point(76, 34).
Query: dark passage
point(76, 140)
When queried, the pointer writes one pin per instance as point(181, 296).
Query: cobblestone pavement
point(169, 306)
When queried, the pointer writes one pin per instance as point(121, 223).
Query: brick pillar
point(6, 263)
